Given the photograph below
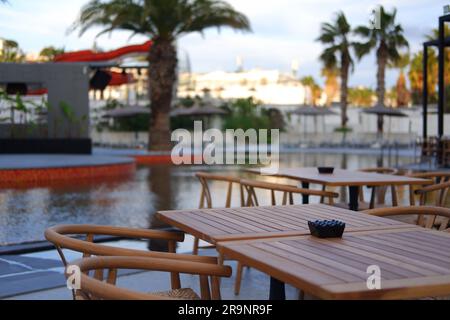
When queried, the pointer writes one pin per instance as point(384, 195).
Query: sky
point(283, 31)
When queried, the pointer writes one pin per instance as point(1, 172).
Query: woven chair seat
point(182, 294)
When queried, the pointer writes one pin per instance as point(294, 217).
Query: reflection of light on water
point(26, 213)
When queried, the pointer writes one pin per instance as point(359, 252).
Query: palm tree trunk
point(162, 77)
point(344, 94)
point(381, 83)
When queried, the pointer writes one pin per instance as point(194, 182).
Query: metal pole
point(425, 92)
point(441, 101)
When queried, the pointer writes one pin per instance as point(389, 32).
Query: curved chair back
point(206, 199)
point(440, 193)
point(381, 170)
point(288, 192)
point(426, 211)
point(62, 238)
point(380, 192)
point(102, 286)
point(437, 177)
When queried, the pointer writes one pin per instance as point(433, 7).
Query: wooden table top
point(414, 263)
point(215, 225)
point(343, 178)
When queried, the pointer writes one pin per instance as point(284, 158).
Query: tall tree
point(316, 90)
point(387, 41)
point(361, 96)
point(164, 21)
point(337, 54)
point(403, 95)
point(49, 53)
point(11, 52)
point(433, 36)
point(331, 83)
point(415, 75)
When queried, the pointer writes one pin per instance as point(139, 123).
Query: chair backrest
point(425, 211)
point(440, 190)
point(288, 192)
point(381, 170)
point(62, 238)
point(80, 238)
point(206, 199)
point(380, 192)
point(102, 286)
point(437, 177)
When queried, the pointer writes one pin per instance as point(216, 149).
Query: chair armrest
point(401, 211)
point(85, 247)
point(217, 177)
point(288, 188)
point(154, 264)
point(435, 187)
point(117, 231)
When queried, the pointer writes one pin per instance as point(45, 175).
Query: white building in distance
point(269, 87)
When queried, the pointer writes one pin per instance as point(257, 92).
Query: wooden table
point(414, 263)
point(345, 178)
point(216, 225)
point(219, 225)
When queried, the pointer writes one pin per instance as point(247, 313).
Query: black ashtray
point(327, 229)
point(326, 170)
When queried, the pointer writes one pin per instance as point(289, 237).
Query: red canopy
point(117, 78)
point(91, 56)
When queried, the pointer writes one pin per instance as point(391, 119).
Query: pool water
point(25, 213)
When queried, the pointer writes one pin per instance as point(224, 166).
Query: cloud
point(283, 31)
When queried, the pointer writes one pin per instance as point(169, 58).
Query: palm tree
point(387, 41)
point(316, 90)
point(416, 76)
point(361, 96)
point(403, 95)
point(164, 21)
point(11, 52)
point(331, 83)
point(50, 53)
point(337, 54)
point(433, 36)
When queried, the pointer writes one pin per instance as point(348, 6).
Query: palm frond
point(166, 19)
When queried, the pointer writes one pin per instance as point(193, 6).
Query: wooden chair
point(379, 192)
point(429, 150)
point(288, 193)
point(102, 286)
point(440, 193)
point(430, 212)
point(446, 152)
point(206, 199)
point(436, 177)
point(288, 199)
point(60, 236)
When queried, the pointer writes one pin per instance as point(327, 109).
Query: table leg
point(277, 290)
point(305, 185)
point(354, 198)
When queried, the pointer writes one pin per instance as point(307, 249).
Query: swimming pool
point(25, 213)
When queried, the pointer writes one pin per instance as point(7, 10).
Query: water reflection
point(26, 212)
